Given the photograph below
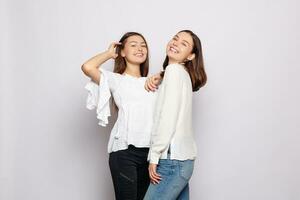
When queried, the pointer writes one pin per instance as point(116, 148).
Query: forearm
point(165, 126)
point(95, 62)
point(159, 144)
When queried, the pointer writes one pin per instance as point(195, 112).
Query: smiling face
point(179, 49)
point(135, 50)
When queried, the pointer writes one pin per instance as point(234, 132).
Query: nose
point(175, 43)
point(140, 48)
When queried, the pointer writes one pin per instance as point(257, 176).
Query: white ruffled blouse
point(135, 108)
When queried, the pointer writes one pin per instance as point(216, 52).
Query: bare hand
point(112, 49)
point(155, 178)
point(153, 82)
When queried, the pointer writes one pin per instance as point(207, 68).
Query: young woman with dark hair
point(173, 147)
point(130, 137)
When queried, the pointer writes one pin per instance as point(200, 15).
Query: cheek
point(169, 44)
point(127, 51)
point(185, 52)
point(168, 47)
point(145, 50)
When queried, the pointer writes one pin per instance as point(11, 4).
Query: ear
point(122, 53)
point(191, 57)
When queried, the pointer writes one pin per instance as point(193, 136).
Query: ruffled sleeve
point(98, 97)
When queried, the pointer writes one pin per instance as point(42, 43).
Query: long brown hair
point(194, 67)
point(120, 62)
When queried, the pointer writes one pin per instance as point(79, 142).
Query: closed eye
point(175, 37)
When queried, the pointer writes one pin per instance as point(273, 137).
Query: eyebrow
point(182, 40)
point(137, 42)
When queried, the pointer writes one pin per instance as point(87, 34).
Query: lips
point(139, 54)
point(173, 49)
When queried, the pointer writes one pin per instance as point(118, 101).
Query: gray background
point(246, 119)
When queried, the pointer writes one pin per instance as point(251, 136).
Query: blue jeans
point(174, 185)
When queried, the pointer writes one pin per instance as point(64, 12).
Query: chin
point(138, 60)
point(172, 57)
point(170, 54)
point(141, 60)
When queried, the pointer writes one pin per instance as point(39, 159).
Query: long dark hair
point(120, 62)
point(194, 67)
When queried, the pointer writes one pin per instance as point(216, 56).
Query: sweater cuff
point(154, 158)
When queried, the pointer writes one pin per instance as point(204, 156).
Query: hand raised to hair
point(112, 49)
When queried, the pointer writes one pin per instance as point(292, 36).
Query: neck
point(133, 69)
point(171, 61)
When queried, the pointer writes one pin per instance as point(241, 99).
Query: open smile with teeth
point(139, 54)
point(172, 49)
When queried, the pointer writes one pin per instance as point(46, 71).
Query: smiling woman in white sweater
point(173, 148)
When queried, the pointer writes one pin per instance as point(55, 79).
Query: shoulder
point(174, 71)
point(109, 74)
point(174, 68)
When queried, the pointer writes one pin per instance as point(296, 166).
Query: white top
point(173, 117)
point(135, 108)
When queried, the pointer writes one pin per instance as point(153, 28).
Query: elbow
point(85, 69)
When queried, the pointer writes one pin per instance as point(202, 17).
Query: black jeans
point(129, 171)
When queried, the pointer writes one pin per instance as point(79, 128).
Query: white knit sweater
point(173, 117)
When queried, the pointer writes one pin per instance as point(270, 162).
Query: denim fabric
point(175, 178)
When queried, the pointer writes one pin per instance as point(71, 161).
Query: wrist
point(108, 54)
point(161, 73)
